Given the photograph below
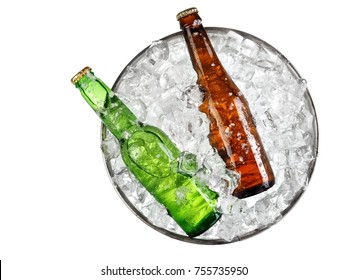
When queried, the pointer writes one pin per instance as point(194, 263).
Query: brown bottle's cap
point(186, 12)
point(80, 74)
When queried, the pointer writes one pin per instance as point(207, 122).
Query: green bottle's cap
point(186, 12)
point(80, 74)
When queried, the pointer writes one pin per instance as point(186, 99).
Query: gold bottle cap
point(80, 74)
point(186, 12)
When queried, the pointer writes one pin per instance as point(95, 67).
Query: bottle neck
point(94, 91)
point(204, 58)
point(113, 112)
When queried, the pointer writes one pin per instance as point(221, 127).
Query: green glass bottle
point(153, 158)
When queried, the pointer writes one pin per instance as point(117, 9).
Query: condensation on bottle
point(155, 161)
point(232, 130)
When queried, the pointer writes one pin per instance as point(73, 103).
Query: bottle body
point(232, 130)
point(153, 159)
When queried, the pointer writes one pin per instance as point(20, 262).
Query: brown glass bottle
point(232, 130)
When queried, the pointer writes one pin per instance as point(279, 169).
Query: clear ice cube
point(249, 49)
point(157, 51)
point(228, 228)
point(242, 71)
point(187, 163)
point(158, 215)
point(266, 211)
point(234, 41)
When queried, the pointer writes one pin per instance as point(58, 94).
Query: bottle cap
point(80, 74)
point(186, 12)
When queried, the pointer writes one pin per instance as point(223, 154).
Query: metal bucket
point(215, 33)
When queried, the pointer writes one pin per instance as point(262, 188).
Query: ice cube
point(193, 95)
point(242, 71)
point(267, 119)
point(285, 196)
point(117, 165)
point(234, 40)
point(157, 51)
point(124, 181)
point(304, 120)
point(187, 163)
point(228, 228)
point(226, 204)
point(109, 147)
point(177, 53)
point(165, 79)
point(158, 215)
point(249, 49)
point(217, 41)
point(239, 208)
point(138, 107)
point(267, 58)
point(280, 159)
point(266, 211)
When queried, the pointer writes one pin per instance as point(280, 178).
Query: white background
point(60, 217)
